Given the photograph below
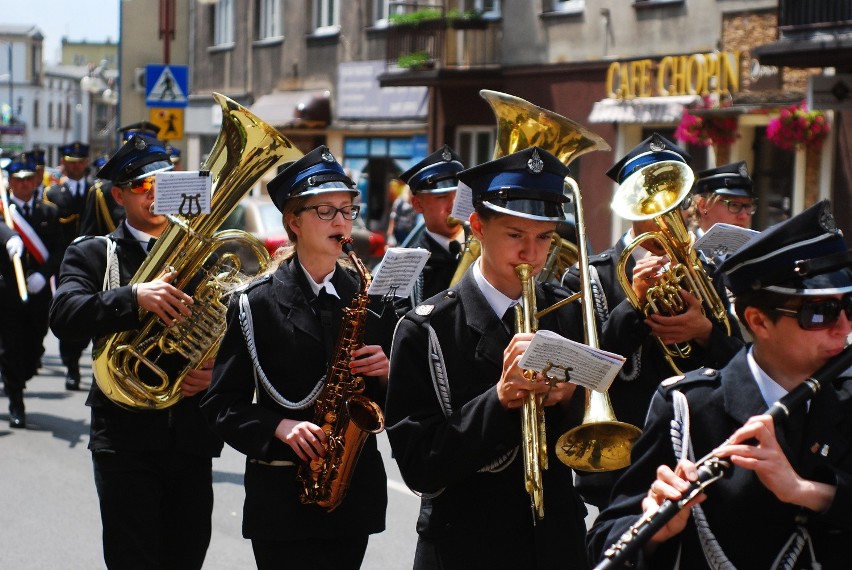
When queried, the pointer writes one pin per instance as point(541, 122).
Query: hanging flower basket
point(706, 130)
point(796, 127)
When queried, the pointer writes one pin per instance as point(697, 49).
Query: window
point(475, 145)
point(59, 123)
point(36, 115)
point(223, 27)
point(269, 19)
point(488, 8)
point(49, 115)
point(326, 17)
point(568, 6)
point(381, 12)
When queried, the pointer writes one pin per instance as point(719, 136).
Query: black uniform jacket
point(481, 517)
point(292, 355)
point(624, 332)
point(70, 207)
point(439, 268)
point(101, 213)
point(749, 522)
point(82, 310)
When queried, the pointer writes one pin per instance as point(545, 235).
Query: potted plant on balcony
point(719, 131)
point(414, 61)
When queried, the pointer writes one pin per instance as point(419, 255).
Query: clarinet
point(712, 468)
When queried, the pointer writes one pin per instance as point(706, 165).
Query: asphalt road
point(49, 511)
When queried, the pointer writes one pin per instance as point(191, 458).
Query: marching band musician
point(455, 389)
point(723, 195)
point(433, 182)
point(272, 363)
point(153, 468)
point(69, 197)
point(786, 501)
point(23, 325)
point(627, 331)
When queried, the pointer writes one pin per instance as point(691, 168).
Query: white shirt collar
point(497, 300)
point(769, 388)
point(444, 241)
point(317, 287)
point(139, 235)
point(20, 203)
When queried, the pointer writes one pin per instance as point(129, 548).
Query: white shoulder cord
point(111, 273)
point(260, 378)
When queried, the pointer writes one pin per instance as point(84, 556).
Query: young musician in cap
point(723, 195)
point(273, 365)
point(456, 390)
point(787, 496)
point(433, 182)
point(70, 198)
point(153, 468)
point(629, 332)
point(36, 156)
point(23, 325)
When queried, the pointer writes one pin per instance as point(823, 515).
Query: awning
point(289, 109)
point(642, 109)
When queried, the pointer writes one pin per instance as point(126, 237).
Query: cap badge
point(826, 220)
point(535, 163)
point(743, 170)
point(657, 146)
point(446, 155)
point(327, 156)
point(141, 144)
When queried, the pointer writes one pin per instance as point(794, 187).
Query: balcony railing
point(444, 42)
point(809, 15)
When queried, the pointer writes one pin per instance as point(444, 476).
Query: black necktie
point(26, 209)
point(324, 307)
point(151, 243)
point(509, 320)
point(455, 248)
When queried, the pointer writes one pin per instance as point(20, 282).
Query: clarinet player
point(786, 502)
point(275, 358)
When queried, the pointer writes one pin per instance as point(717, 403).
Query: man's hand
point(690, 325)
point(164, 300)
point(197, 380)
point(35, 283)
point(14, 247)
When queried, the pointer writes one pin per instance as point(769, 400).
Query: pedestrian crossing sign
point(166, 85)
point(170, 121)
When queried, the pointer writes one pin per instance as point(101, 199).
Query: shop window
point(772, 176)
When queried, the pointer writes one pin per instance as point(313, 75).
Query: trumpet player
point(153, 468)
point(786, 502)
point(627, 331)
point(456, 388)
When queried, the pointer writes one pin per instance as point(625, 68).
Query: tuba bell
point(655, 192)
point(143, 368)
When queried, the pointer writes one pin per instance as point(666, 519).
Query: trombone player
point(628, 331)
point(455, 388)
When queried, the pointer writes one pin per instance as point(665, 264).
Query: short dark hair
point(764, 301)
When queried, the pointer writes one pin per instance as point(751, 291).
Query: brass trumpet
point(655, 192)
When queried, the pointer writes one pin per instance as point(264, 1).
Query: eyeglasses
point(820, 314)
point(737, 207)
point(327, 212)
point(142, 186)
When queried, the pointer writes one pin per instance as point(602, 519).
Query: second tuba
point(655, 192)
point(143, 368)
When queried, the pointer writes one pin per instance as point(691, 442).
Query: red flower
point(704, 131)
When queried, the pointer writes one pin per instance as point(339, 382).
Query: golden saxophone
point(342, 411)
point(143, 368)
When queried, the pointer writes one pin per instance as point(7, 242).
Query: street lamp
point(102, 92)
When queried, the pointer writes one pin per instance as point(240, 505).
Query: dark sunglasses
point(141, 186)
point(821, 314)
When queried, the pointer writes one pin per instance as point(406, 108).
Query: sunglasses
point(142, 186)
point(821, 314)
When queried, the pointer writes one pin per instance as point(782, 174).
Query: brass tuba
point(655, 192)
point(143, 368)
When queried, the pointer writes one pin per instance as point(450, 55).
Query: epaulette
point(81, 239)
point(433, 306)
point(701, 376)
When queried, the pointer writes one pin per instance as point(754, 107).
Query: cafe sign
point(696, 74)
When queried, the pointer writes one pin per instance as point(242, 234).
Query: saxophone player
point(271, 371)
point(456, 390)
point(153, 468)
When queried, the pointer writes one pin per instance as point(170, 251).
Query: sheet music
point(722, 239)
point(398, 271)
point(590, 367)
point(183, 193)
point(463, 203)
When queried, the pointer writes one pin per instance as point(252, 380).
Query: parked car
point(261, 218)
